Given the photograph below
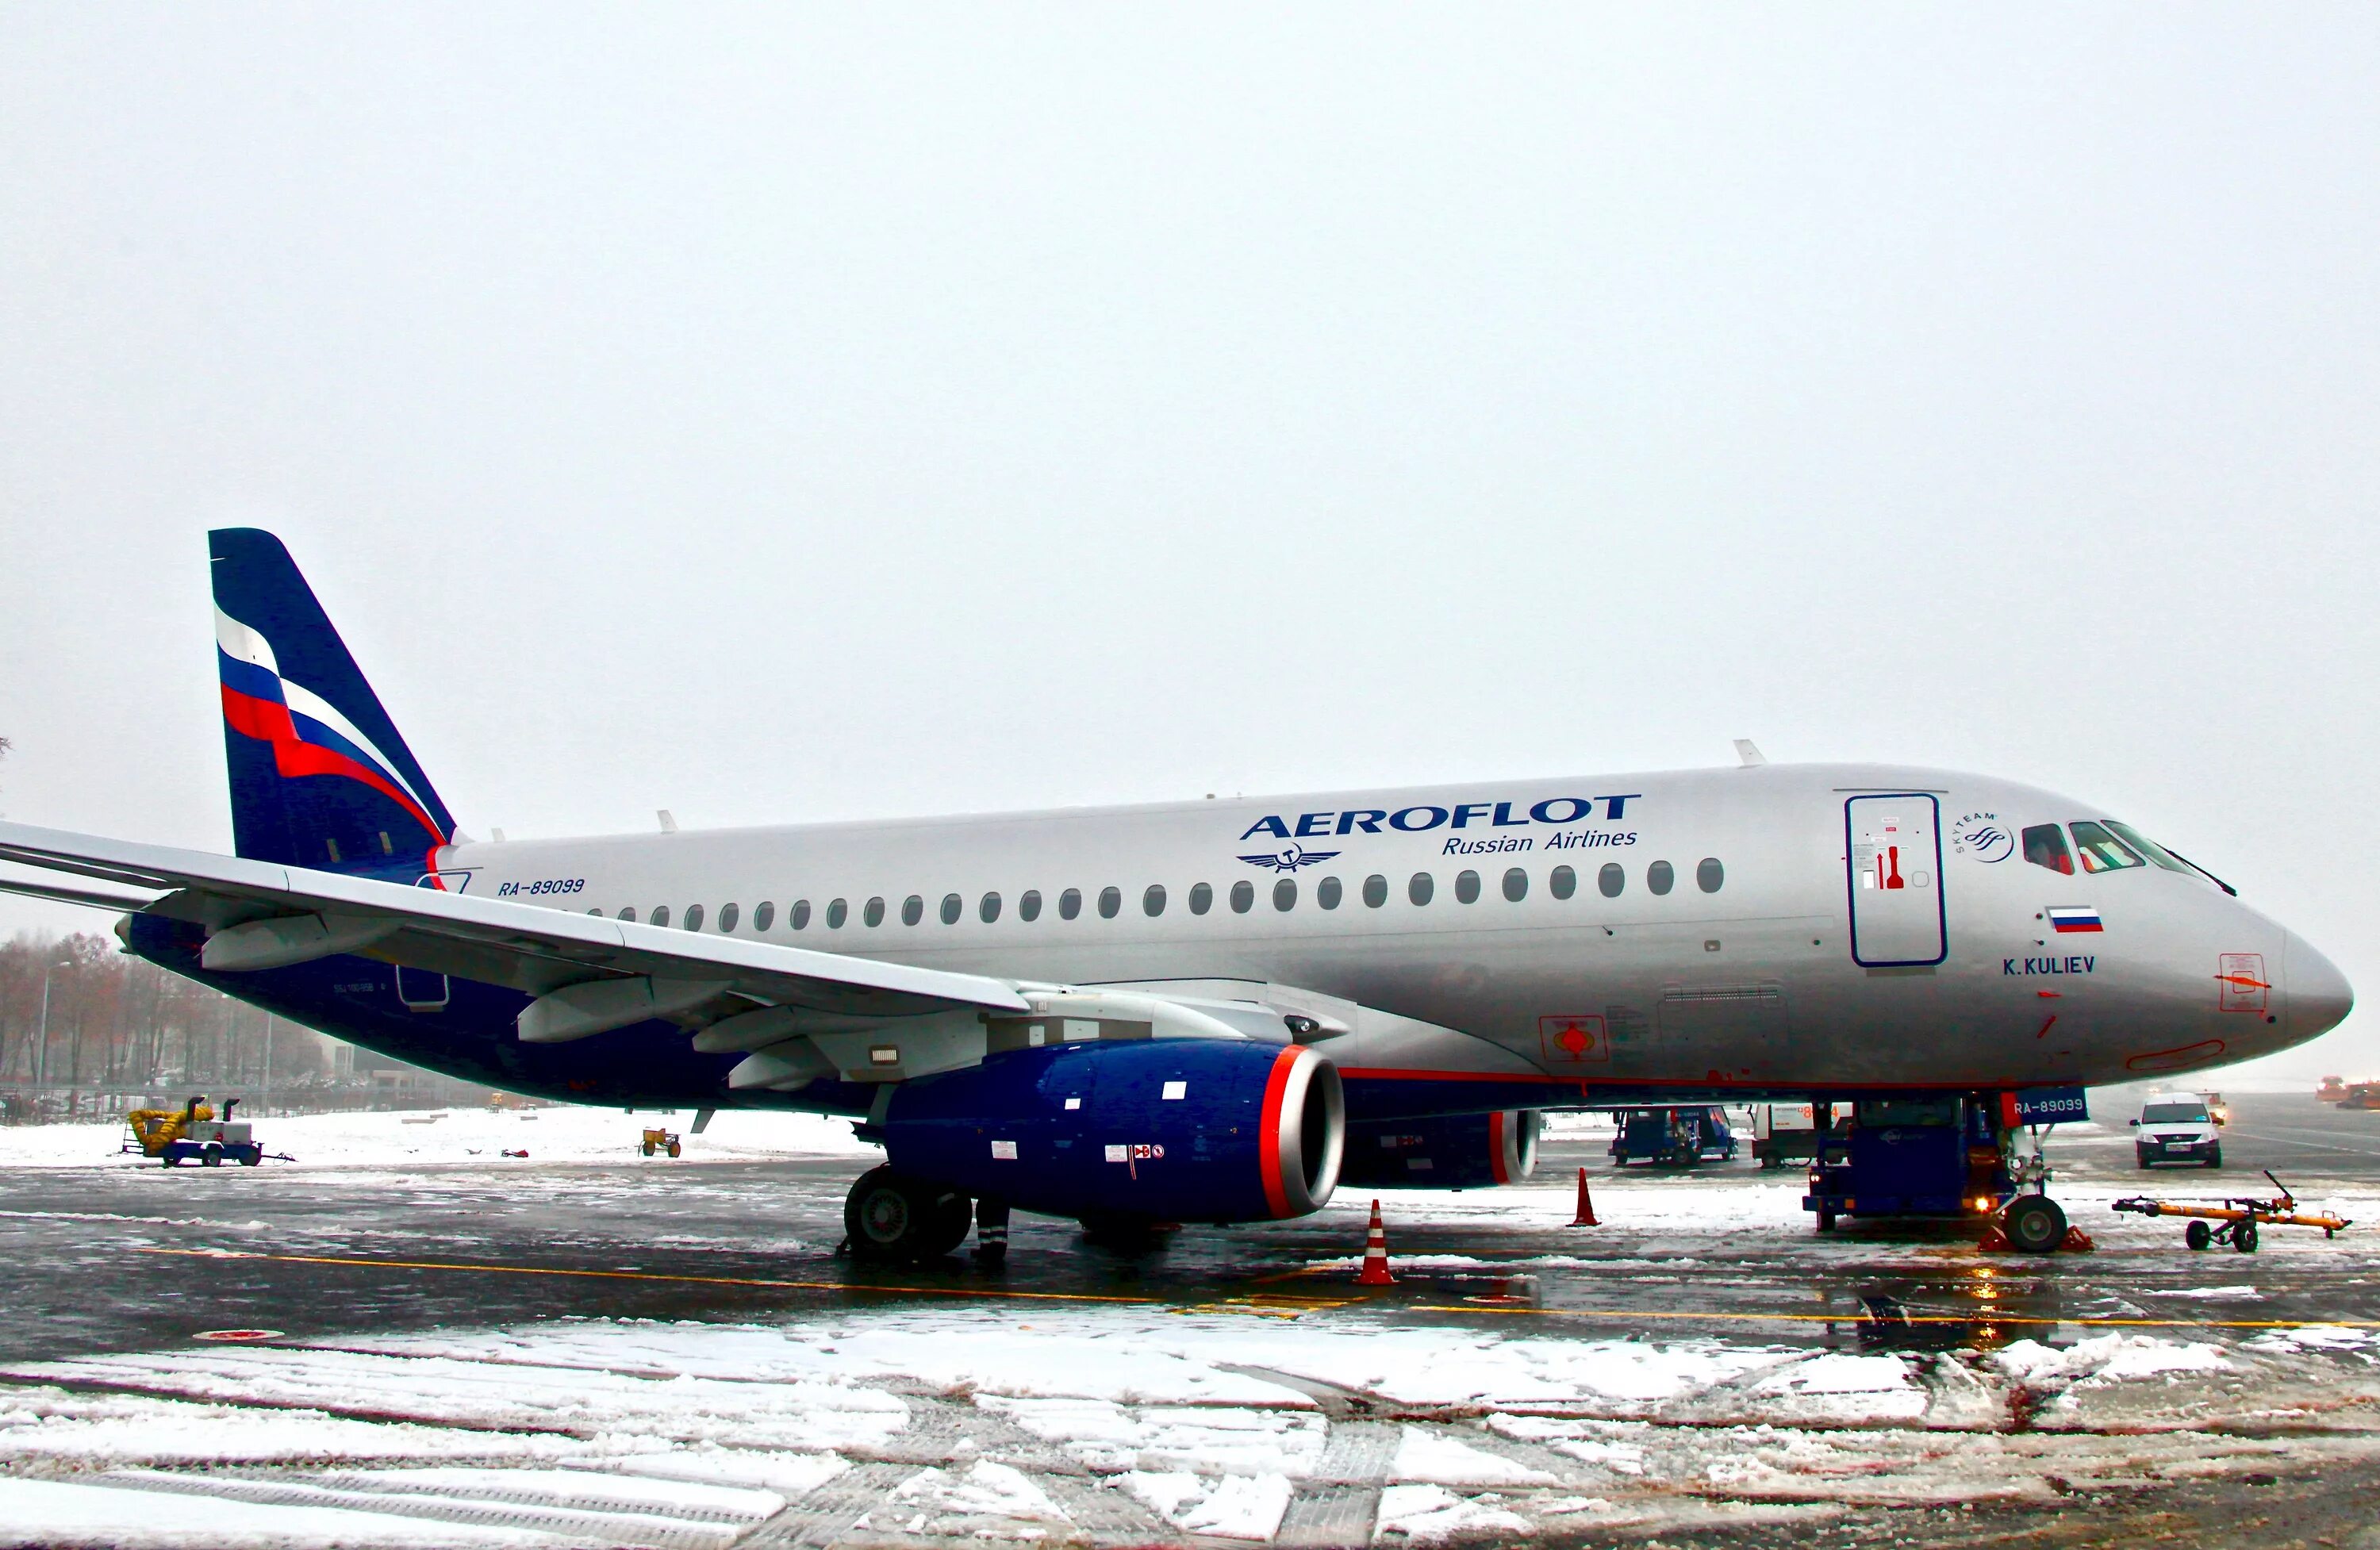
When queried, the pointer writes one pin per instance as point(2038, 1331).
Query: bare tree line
point(120, 1024)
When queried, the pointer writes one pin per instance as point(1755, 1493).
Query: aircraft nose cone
point(2320, 997)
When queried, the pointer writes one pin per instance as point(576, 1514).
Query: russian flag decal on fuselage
point(2073, 918)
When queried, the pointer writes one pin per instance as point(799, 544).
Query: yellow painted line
point(1862, 1317)
point(678, 1280)
point(1613, 1314)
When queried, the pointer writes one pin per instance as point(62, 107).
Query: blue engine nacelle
point(1159, 1130)
point(1466, 1151)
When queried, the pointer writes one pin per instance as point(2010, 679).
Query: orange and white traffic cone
point(1585, 1204)
point(1376, 1255)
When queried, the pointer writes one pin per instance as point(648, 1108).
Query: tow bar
point(2239, 1217)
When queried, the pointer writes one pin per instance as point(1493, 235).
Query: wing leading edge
point(262, 914)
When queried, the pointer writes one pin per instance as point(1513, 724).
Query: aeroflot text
point(1416, 820)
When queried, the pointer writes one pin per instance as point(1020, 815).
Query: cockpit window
point(2147, 847)
point(2045, 845)
point(2102, 852)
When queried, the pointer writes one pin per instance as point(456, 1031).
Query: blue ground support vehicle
point(1941, 1155)
point(1673, 1137)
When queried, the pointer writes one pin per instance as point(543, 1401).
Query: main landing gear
point(893, 1219)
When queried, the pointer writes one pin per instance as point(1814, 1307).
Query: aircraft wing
point(264, 915)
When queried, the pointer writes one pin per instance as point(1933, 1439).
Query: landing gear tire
point(2035, 1224)
point(893, 1218)
point(2244, 1236)
point(2198, 1235)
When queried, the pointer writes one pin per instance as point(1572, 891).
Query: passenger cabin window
point(661, 914)
point(874, 913)
point(1612, 880)
point(1328, 893)
point(1466, 887)
point(1244, 897)
point(1376, 891)
point(1420, 887)
point(799, 916)
point(1202, 898)
point(1710, 877)
point(1070, 904)
point(727, 914)
point(629, 913)
point(2101, 851)
point(1516, 885)
point(1284, 894)
point(1660, 876)
point(764, 915)
point(1029, 904)
point(2045, 845)
point(951, 905)
point(837, 912)
point(1152, 901)
point(1111, 900)
point(694, 917)
point(913, 909)
point(1564, 883)
point(988, 910)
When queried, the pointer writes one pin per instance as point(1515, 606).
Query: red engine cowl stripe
point(1269, 1134)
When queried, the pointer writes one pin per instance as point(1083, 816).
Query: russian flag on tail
point(2073, 918)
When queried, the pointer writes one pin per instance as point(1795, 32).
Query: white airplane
point(1200, 1011)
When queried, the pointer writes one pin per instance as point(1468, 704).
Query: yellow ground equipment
point(152, 1130)
point(661, 1140)
point(2240, 1218)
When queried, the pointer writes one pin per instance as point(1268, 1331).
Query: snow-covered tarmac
point(1700, 1361)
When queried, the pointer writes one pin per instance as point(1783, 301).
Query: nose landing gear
point(2035, 1224)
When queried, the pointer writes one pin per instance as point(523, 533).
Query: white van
point(2176, 1127)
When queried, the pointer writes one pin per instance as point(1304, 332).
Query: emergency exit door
point(1893, 852)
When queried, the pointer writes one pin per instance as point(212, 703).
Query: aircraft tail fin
point(320, 775)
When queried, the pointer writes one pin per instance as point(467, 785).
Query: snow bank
point(468, 1136)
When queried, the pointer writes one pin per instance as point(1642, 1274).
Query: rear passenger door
point(1892, 860)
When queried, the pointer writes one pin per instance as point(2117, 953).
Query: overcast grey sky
point(777, 414)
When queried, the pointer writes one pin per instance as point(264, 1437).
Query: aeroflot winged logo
point(308, 733)
point(1289, 858)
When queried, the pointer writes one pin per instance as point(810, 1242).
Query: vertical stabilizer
point(320, 775)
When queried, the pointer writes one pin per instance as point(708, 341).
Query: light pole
point(41, 1050)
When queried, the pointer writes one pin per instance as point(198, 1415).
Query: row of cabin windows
point(1330, 892)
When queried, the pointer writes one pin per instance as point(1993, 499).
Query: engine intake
point(1161, 1129)
point(1466, 1151)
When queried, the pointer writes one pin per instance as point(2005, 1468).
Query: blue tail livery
point(320, 775)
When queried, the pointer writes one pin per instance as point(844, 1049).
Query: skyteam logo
point(1983, 836)
point(308, 734)
point(1289, 858)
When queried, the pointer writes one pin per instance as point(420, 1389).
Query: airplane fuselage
point(1776, 929)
